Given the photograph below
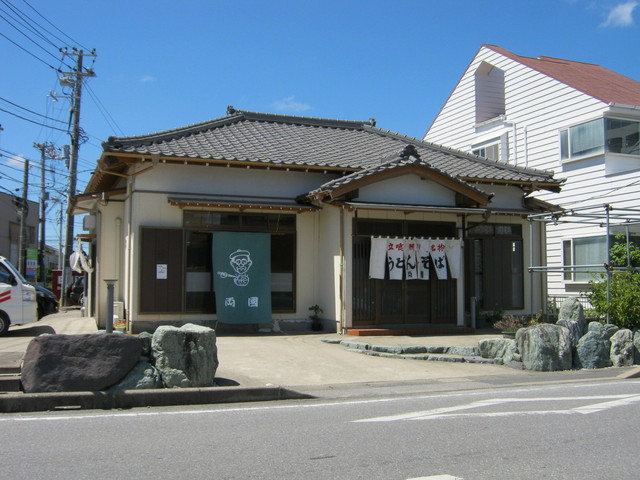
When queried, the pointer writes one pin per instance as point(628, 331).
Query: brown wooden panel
point(161, 246)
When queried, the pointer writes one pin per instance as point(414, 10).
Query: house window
point(597, 136)
point(622, 136)
point(490, 152)
point(201, 226)
point(495, 274)
point(590, 252)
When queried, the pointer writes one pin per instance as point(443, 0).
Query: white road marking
point(448, 412)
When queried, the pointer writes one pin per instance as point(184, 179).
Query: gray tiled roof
point(269, 139)
point(409, 156)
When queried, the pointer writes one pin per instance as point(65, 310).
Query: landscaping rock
point(576, 329)
point(545, 347)
point(636, 347)
point(186, 356)
point(503, 349)
point(571, 310)
point(594, 348)
point(622, 348)
point(143, 376)
point(75, 363)
point(145, 338)
point(463, 350)
point(610, 330)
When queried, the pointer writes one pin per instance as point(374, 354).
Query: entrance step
point(432, 330)
point(437, 353)
point(10, 382)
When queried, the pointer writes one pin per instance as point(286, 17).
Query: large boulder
point(576, 329)
point(571, 310)
point(622, 348)
point(186, 356)
point(594, 348)
point(501, 349)
point(74, 363)
point(141, 377)
point(636, 347)
point(545, 347)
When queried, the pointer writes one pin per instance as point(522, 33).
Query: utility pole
point(75, 80)
point(24, 210)
point(47, 150)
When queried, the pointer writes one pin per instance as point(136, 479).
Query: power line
point(32, 121)
point(46, 20)
point(31, 111)
point(27, 51)
point(103, 110)
point(25, 23)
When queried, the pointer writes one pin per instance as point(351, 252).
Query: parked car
point(75, 292)
point(47, 301)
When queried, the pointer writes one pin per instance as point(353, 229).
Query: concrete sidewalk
point(275, 366)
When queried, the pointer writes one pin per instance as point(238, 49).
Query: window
point(495, 258)
point(622, 136)
point(490, 152)
point(588, 252)
point(597, 136)
point(591, 252)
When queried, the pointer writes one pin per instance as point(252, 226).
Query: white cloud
point(621, 15)
point(16, 161)
point(147, 79)
point(290, 105)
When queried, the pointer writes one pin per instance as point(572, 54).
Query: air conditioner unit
point(89, 223)
point(118, 310)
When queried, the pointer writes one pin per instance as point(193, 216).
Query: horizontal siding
point(542, 106)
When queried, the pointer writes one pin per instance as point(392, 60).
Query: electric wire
point(32, 121)
point(46, 20)
point(25, 22)
point(31, 111)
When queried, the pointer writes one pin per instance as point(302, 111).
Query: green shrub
point(624, 306)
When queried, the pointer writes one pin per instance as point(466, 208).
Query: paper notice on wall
point(161, 271)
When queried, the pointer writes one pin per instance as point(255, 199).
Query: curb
point(37, 402)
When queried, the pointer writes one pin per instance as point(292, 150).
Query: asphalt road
point(582, 430)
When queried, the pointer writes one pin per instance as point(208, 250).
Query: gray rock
point(75, 363)
point(503, 349)
point(576, 329)
point(621, 352)
point(545, 347)
point(145, 338)
point(186, 356)
point(464, 350)
point(593, 349)
point(143, 376)
point(636, 347)
point(571, 310)
point(610, 330)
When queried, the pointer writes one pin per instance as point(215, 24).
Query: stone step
point(431, 357)
point(10, 383)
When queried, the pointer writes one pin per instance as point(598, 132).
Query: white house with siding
point(578, 120)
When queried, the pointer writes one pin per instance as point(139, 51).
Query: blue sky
point(163, 64)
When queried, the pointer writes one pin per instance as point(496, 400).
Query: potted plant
point(510, 324)
point(120, 326)
point(316, 321)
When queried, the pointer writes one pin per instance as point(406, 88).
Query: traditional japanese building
point(255, 218)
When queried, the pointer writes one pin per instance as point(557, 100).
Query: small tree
point(624, 305)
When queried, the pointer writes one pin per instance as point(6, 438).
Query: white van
point(17, 298)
